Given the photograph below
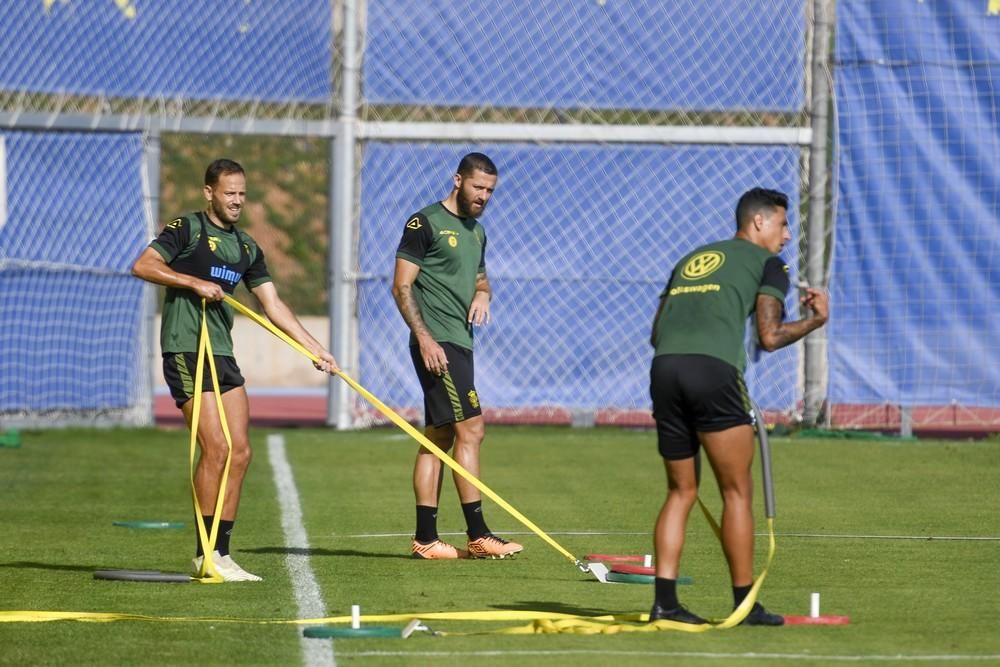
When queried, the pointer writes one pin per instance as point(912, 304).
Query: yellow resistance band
point(410, 430)
point(207, 574)
point(541, 622)
point(733, 619)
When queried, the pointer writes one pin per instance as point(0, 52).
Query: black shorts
point(179, 372)
point(451, 397)
point(695, 393)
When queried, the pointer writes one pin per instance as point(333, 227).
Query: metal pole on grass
point(765, 461)
point(342, 290)
point(815, 344)
point(148, 361)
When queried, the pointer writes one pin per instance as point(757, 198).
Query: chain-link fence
point(624, 131)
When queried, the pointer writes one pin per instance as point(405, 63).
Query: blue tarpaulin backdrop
point(223, 49)
point(916, 279)
point(582, 239)
point(641, 54)
point(71, 321)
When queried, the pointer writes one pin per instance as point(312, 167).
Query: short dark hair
point(476, 162)
point(755, 199)
point(220, 167)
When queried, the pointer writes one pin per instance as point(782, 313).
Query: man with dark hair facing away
point(699, 397)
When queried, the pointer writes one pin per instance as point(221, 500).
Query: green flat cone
point(331, 632)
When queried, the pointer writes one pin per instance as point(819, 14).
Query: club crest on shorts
point(473, 398)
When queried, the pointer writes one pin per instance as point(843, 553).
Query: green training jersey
point(224, 256)
point(711, 292)
point(451, 252)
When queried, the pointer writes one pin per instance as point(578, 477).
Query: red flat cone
point(817, 620)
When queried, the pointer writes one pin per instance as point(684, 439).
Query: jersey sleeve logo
point(175, 223)
point(703, 264)
point(414, 223)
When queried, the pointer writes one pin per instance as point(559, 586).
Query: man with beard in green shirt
point(441, 290)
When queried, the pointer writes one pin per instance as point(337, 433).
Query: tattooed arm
point(479, 311)
point(774, 333)
point(432, 353)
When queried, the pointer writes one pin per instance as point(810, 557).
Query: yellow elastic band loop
point(408, 428)
point(207, 573)
point(735, 618)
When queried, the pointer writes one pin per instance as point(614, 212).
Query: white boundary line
point(828, 536)
point(810, 657)
point(924, 538)
point(315, 653)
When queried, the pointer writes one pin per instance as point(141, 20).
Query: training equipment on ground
point(414, 626)
point(332, 632)
point(817, 620)
point(814, 617)
point(144, 575)
point(643, 571)
point(356, 631)
point(623, 574)
point(148, 524)
point(614, 558)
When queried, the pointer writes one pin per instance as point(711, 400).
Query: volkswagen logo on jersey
point(226, 274)
point(703, 264)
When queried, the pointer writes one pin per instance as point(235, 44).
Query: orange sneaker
point(491, 546)
point(436, 550)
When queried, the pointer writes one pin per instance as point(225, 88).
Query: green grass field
point(860, 522)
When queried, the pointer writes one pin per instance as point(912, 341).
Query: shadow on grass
point(32, 565)
point(556, 607)
point(297, 551)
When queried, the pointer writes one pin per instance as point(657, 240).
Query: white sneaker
point(226, 567)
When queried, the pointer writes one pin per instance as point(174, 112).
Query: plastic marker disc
point(329, 632)
point(634, 569)
point(143, 575)
point(614, 558)
point(148, 524)
point(626, 578)
point(636, 574)
point(620, 578)
point(817, 620)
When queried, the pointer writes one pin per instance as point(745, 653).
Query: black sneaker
point(678, 614)
point(760, 616)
